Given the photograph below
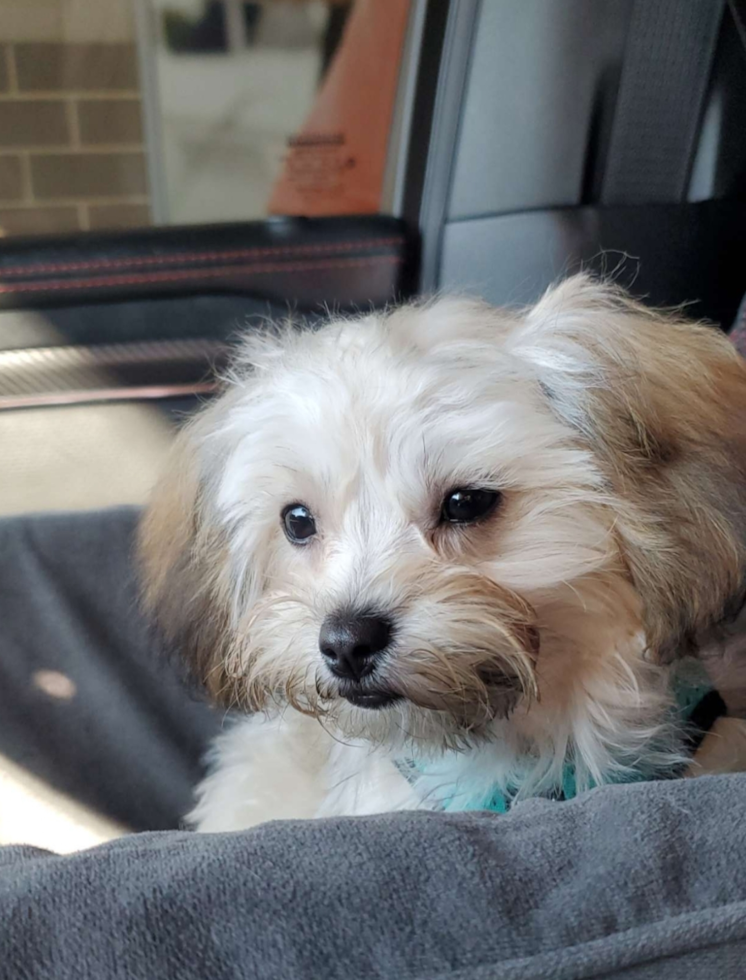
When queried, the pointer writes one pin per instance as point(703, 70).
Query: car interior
point(525, 140)
point(528, 140)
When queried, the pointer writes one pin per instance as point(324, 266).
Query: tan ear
point(183, 561)
point(661, 403)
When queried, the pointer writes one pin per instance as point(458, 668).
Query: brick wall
point(71, 138)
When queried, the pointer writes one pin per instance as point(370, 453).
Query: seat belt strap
point(663, 87)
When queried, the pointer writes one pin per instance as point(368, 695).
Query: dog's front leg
point(263, 769)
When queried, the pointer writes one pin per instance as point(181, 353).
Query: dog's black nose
point(350, 643)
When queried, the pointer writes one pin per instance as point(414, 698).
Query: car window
point(125, 113)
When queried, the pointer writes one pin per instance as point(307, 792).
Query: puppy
point(450, 556)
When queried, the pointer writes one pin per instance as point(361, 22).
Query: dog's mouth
point(497, 695)
point(373, 700)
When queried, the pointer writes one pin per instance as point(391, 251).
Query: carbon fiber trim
point(109, 372)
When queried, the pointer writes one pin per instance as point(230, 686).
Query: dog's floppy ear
point(184, 565)
point(661, 404)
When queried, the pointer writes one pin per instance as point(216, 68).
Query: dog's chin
point(402, 705)
point(383, 716)
point(396, 724)
point(372, 700)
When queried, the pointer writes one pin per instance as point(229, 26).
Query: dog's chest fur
point(289, 767)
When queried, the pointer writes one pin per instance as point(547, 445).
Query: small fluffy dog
point(449, 556)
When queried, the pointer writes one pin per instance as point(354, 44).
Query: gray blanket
point(639, 881)
point(129, 742)
point(634, 881)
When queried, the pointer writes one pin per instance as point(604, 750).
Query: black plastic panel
point(219, 317)
point(669, 254)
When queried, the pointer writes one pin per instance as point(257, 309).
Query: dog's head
point(423, 521)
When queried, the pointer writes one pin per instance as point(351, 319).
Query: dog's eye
point(298, 523)
point(468, 504)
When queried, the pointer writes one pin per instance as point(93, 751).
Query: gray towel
point(129, 743)
point(643, 881)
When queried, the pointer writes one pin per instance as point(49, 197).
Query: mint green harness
point(691, 690)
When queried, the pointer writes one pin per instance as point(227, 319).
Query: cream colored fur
point(616, 438)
